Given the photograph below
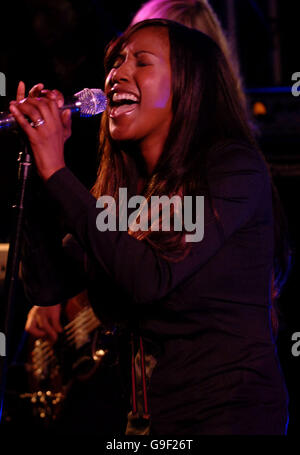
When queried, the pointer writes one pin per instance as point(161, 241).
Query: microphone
point(86, 103)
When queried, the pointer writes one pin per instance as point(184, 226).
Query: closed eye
point(144, 58)
point(118, 62)
point(143, 63)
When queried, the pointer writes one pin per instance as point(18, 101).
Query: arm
point(237, 178)
point(50, 273)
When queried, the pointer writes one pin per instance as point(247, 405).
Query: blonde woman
point(194, 14)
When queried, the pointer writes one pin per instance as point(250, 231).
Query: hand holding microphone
point(39, 91)
point(86, 103)
point(46, 130)
point(49, 124)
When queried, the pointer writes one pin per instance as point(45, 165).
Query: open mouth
point(121, 103)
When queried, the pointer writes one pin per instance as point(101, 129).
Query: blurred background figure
point(195, 14)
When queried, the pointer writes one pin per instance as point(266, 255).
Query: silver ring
point(39, 122)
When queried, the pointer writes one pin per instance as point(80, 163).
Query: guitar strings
point(75, 332)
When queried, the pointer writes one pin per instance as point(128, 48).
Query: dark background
point(61, 43)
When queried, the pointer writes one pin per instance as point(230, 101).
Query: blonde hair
point(196, 14)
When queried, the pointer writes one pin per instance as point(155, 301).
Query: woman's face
point(139, 89)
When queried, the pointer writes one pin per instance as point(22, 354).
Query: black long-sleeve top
point(208, 314)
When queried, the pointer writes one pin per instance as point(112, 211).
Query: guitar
point(81, 348)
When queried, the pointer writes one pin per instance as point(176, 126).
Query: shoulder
point(236, 156)
point(239, 172)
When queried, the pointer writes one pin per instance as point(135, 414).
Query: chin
point(121, 137)
point(121, 134)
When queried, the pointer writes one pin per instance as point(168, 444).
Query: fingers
point(20, 91)
point(36, 90)
point(53, 314)
point(47, 327)
point(59, 98)
point(36, 333)
point(53, 94)
point(45, 107)
point(52, 104)
point(35, 109)
point(32, 325)
point(55, 322)
point(24, 124)
point(28, 109)
point(44, 322)
point(66, 119)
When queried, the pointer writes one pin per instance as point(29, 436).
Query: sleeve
point(236, 180)
point(50, 274)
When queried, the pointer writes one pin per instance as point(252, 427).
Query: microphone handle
point(8, 122)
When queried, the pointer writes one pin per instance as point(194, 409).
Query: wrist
point(47, 173)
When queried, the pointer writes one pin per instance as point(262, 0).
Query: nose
point(122, 73)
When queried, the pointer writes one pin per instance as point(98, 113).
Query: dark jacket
point(206, 318)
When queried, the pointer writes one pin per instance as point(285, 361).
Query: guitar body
point(52, 369)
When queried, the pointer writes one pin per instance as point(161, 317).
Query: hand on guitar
point(44, 322)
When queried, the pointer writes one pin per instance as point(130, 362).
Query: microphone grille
point(93, 101)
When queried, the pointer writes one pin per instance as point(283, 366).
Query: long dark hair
point(207, 112)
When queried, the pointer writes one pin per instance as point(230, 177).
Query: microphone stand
point(13, 262)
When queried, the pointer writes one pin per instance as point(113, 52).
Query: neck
point(151, 152)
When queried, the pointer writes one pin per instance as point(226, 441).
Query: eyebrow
point(136, 54)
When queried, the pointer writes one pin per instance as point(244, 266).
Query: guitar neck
point(76, 332)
